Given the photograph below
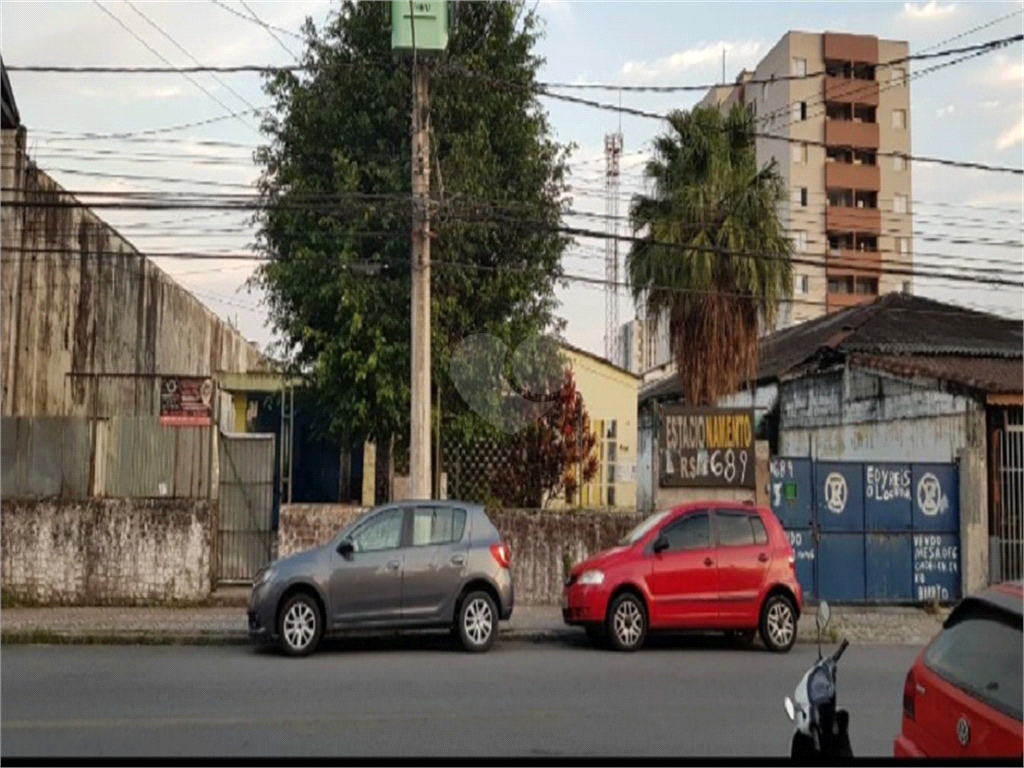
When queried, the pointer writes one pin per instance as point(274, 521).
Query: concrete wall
point(78, 298)
point(974, 541)
point(855, 415)
point(96, 552)
point(539, 540)
point(893, 94)
point(304, 526)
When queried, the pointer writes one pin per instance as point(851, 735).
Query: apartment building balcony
point(850, 133)
point(836, 301)
point(846, 47)
point(851, 176)
point(842, 219)
point(854, 262)
point(851, 91)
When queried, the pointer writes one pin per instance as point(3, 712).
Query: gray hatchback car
point(407, 565)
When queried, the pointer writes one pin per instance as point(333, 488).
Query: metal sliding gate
point(245, 536)
point(1007, 550)
point(871, 532)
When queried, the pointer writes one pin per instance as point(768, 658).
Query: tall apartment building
point(837, 119)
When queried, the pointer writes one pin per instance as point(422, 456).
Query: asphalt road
point(421, 697)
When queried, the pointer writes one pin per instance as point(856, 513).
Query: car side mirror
point(346, 548)
point(660, 544)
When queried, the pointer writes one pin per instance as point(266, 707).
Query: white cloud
point(990, 104)
point(930, 11)
point(947, 110)
point(1003, 72)
point(701, 56)
point(1011, 137)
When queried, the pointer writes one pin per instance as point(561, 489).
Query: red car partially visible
point(962, 697)
point(715, 565)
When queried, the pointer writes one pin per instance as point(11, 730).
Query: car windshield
point(641, 530)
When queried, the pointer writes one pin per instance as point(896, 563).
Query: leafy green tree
point(709, 201)
point(335, 219)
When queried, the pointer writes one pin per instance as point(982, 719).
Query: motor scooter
point(822, 731)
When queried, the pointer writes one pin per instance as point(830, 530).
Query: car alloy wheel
point(300, 627)
point(778, 624)
point(478, 622)
point(628, 622)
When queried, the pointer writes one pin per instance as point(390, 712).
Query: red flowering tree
point(548, 458)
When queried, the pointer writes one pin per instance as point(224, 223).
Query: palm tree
point(713, 257)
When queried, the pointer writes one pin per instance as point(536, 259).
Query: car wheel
point(627, 622)
point(778, 623)
point(478, 622)
point(300, 626)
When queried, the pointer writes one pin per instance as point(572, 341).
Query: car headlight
point(591, 577)
point(819, 687)
point(262, 577)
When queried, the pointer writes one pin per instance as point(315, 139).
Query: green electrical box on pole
point(420, 24)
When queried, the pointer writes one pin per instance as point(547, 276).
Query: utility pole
point(420, 27)
point(612, 151)
point(419, 447)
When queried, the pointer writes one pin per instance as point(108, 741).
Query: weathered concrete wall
point(539, 540)
point(974, 543)
point(78, 298)
point(303, 526)
point(117, 551)
point(860, 416)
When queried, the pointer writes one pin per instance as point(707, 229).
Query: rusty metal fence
point(122, 456)
point(245, 537)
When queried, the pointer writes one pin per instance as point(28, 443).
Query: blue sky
point(970, 112)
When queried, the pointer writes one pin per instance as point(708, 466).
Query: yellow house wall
point(608, 393)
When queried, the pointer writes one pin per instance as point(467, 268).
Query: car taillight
point(909, 695)
point(501, 554)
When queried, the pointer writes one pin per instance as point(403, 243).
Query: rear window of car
point(980, 653)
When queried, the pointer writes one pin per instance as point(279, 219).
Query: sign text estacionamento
point(707, 447)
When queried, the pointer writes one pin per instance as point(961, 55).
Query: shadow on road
point(443, 642)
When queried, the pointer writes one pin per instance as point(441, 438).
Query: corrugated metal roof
point(988, 374)
point(898, 326)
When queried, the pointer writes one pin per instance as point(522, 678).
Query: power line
point(181, 48)
point(267, 27)
point(160, 56)
point(920, 56)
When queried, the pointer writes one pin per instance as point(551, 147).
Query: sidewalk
point(224, 624)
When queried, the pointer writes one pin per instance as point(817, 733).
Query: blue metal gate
point(871, 532)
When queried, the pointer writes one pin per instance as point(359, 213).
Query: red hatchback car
point(706, 566)
point(962, 697)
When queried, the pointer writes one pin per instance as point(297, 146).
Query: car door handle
point(458, 559)
point(763, 557)
point(393, 565)
point(708, 562)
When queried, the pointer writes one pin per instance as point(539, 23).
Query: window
point(384, 531)
point(899, 203)
point(805, 284)
point(899, 163)
point(840, 285)
point(799, 111)
point(734, 530)
point(867, 286)
point(692, 532)
point(800, 67)
point(800, 241)
point(899, 76)
point(799, 153)
point(980, 654)
point(901, 246)
point(437, 525)
point(907, 286)
point(764, 91)
point(899, 119)
point(760, 534)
